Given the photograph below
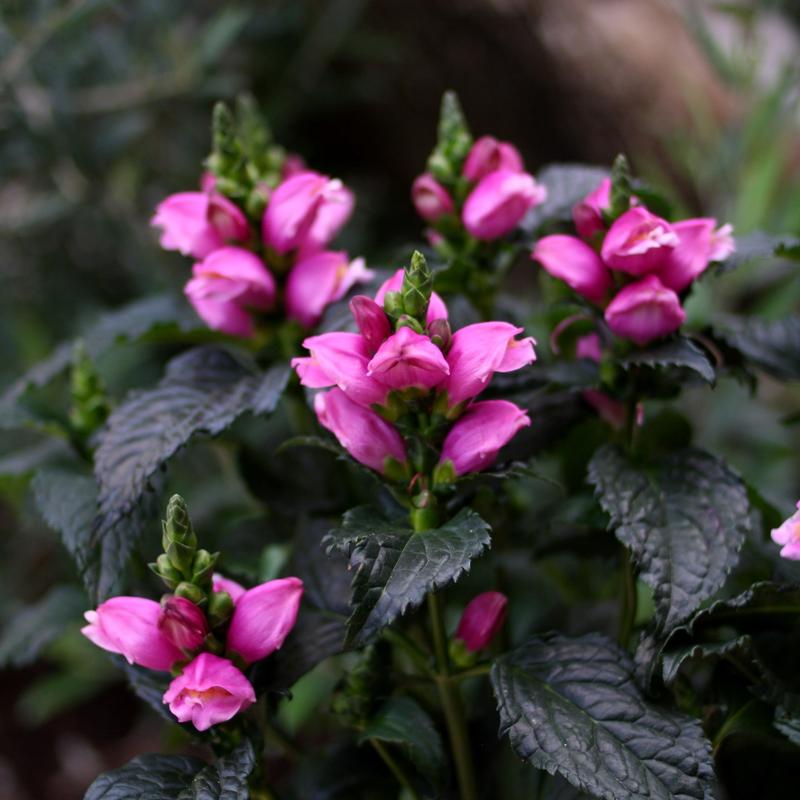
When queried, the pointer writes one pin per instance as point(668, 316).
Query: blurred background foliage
point(104, 110)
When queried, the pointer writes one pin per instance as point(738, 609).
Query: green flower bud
point(393, 304)
point(203, 566)
point(191, 592)
point(220, 607)
point(356, 695)
point(408, 322)
point(444, 474)
point(164, 569)
point(90, 407)
point(621, 189)
point(178, 539)
point(441, 334)
point(460, 656)
point(417, 286)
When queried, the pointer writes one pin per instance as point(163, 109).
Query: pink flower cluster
point(788, 536)
point(209, 689)
point(378, 370)
point(231, 278)
point(636, 268)
point(500, 192)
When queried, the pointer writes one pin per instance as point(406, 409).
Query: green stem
point(452, 705)
point(473, 672)
point(627, 615)
point(410, 648)
point(394, 767)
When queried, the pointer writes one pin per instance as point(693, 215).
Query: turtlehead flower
point(436, 307)
point(489, 155)
point(430, 198)
point(220, 583)
point(788, 536)
point(182, 622)
point(263, 617)
point(318, 280)
point(478, 351)
point(227, 286)
point(369, 438)
point(371, 321)
point(129, 626)
point(197, 223)
point(644, 311)
point(638, 242)
point(699, 243)
point(574, 262)
point(499, 202)
point(482, 619)
point(408, 360)
point(210, 690)
point(305, 212)
point(588, 214)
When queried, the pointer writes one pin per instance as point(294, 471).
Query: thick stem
point(627, 615)
point(394, 767)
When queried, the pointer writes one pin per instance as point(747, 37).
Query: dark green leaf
point(572, 707)
point(566, 185)
point(148, 685)
point(679, 352)
point(395, 568)
point(33, 628)
point(771, 345)
point(787, 721)
point(225, 779)
point(684, 519)
point(403, 722)
point(147, 777)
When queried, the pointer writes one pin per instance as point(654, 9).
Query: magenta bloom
point(129, 626)
point(340, 359)
point(197, 223)
point(407, 359)
point(371, 320)
point(222, 584)
point(369, 438)
point(574, 262)
point(644, 311)
point(475, 440)
point(588, 214)
point(489, 155)
point(436, 307)
point(482, 619)
point(478, 351)
point(293, 165)
point(430, 198)
point(588, 346)
point(788, 535)
point(699, 243)
point(210, 690)
point(263, 617)
point(182, 622)
point(499, 202)
point(318, 280)
point(305, 212)
point(227, 286)
point(638, 242)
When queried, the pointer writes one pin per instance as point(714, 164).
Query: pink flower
point(478, 351)
point(574, 262)
point(436, 308)
point(129, 626)
point(407, 359)
point(588, 346)
point(430, 198)
point(369, 438)
point(197, 223)
point(318, 280)
point(305, 212)
point(474, 441)
point(182, 622)
point(263, 617)
point(210, 690)
point(226, 286)
point(482, 619)
point(588, 214)
point(788, 535)
point(638, 242)
point(293, 165)
point(222, 584)
point(371, 320)
point(499, 202)
point(644, 311)
point(699, 243)
point(489, 155)
point(340, 359)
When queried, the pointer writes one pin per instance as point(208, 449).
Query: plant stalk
point(394, 767)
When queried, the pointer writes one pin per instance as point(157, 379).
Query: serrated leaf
point(225, 779)
point(679, 352)
point(147, 777)
point(148, 685)
point(31, 629)
point(395, 568)
point(771, 345)
point(572, 707)
point(756, 246)
point(787, 721)
point(566, 185)
point(402, 721)
point(684, 519)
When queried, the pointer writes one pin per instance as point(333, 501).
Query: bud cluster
point(259, 231)
point(405, 385)
point(90, 407)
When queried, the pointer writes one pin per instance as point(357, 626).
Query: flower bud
point(182, 622)
point(408, 360)
point(440, 334)
point(190, 592)
point(393, 304)
point(220, 607)
point(489, 155)
point(417, 286)
point(644, 311)
point(164, 569)
point(384, 297)
point(178, 539)
point(482, 619)
point(203, 566)
point(430, 198)
point(638, 242)
point(574, 262)
point(222, 584)
point(371, 321)
point(588, 213)
point(788, 536)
